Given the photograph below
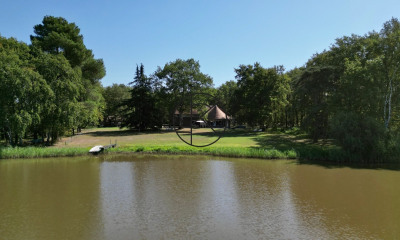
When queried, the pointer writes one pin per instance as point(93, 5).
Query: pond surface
point(194, 197)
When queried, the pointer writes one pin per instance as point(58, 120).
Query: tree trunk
point(286, 119)
point(48, 138)
point(10, 137)
point(387, 110)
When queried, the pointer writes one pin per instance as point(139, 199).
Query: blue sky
point(221, 35)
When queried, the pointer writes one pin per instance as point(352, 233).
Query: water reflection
point(361, 202)
point(192, 197)
point(39, 199)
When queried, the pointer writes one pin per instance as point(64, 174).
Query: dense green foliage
point(51, 86)
point(115, 97)
point(59, 39)
point(24, 93)
point(349, 93)
point(154, 99)
point(261, 95)
point(361, 137)
point(226, 96)
point(176, 81)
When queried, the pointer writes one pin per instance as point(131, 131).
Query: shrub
point(361, 137)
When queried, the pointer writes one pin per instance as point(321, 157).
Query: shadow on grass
point(121, 133)
point(240, 133)
point(325, 153)
point(285, 142)
point(227, 133)
point(305, 149)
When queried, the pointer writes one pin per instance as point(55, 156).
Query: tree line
point(348, 92)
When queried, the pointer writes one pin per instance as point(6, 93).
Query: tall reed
point(216, 151)
point(39, 152)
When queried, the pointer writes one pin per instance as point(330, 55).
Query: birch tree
point(390, 46)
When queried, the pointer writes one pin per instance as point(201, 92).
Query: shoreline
point(323, 157)
point(47, 152)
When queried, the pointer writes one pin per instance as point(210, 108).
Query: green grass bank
point(235, 143)
point(314, 154)
point(42, 152)
point(214, 151)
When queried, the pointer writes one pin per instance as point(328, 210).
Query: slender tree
point(390, 46)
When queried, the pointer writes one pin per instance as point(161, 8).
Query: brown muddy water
point(194, 197)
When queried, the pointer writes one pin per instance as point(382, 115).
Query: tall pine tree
point(141, 105)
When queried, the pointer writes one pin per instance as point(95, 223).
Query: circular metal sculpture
point(199, 111)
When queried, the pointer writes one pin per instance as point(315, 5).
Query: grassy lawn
point(124, 137)
point(233, 143)
point(237, 142)
point(103, 136)
point(231, 138)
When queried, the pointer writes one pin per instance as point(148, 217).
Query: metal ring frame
point(191, 122)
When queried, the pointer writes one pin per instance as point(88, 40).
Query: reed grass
point(40, 152)
point(215, 151)
point(314, 153)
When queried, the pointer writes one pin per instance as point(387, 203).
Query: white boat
point(96, 149)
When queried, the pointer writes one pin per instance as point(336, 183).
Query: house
point(218, 118)
point(214, 117)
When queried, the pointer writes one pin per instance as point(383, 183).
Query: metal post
point(191, 118)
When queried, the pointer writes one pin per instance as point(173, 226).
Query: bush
point(361, 137)
point(392, 147)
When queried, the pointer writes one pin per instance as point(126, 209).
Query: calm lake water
point(194, 197)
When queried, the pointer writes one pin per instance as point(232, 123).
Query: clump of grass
point(39, 152)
